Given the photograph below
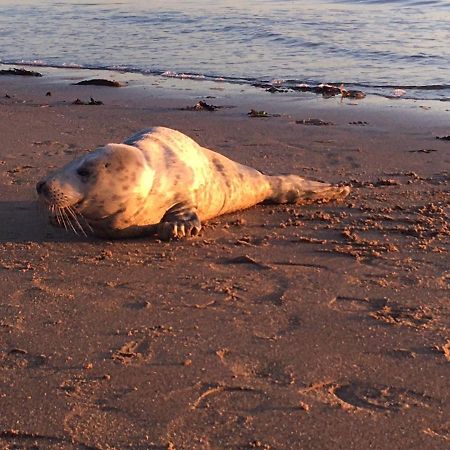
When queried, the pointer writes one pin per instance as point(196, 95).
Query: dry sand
point(314, 327)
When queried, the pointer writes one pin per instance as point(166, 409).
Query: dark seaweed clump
point(21, 72)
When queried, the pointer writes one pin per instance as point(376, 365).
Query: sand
point(280, 327)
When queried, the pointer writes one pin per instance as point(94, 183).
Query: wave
point(415, 92)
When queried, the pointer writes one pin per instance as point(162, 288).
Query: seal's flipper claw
point(180, 221)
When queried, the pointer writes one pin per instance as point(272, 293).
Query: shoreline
point(321, 326)
point(177, 86)
point(390, 91)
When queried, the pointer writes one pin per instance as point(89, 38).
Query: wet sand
point(280, 327)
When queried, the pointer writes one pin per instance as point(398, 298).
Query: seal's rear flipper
point(179, 221)
point(294, 189)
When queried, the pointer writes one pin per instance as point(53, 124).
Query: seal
point(160, 181)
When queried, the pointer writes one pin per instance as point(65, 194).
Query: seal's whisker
point(55, 214)
point(68, 219)
point(59, 212)
point(78, 214)
point(61, 218)
point(88, 224)
point(75, 218)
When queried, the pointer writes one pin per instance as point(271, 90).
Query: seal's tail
point(294, 189)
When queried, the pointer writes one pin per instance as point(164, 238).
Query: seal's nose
point(41, 187)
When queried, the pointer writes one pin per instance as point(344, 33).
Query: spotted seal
point(161, 181)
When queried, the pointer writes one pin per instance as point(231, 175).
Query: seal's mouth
point(61, 211)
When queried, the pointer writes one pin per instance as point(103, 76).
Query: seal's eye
point(83, 172)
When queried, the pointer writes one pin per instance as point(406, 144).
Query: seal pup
point(161, 181)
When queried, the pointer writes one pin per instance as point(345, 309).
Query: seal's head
point(100, 187)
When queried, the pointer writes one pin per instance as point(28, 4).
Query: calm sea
point(373, 45)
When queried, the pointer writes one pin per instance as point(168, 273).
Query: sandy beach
point(279, 327)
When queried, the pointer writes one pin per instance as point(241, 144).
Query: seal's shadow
point(23, 221)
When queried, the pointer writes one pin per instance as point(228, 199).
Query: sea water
point(373, 45)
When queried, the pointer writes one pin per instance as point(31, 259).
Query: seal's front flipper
point(179, 221)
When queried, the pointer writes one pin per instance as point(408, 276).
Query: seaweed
point(316, 122)
point(255, 113)
point(201, 106)
point(21, 72)
point(91, 102)
point(99, 82)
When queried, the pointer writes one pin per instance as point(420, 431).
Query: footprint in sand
point(272, 372)
point(20, 359)
point(380, 398)
point(386, 310)
point(363, 396)
point(133, 352)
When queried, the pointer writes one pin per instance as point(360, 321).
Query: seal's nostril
point(40, 187)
